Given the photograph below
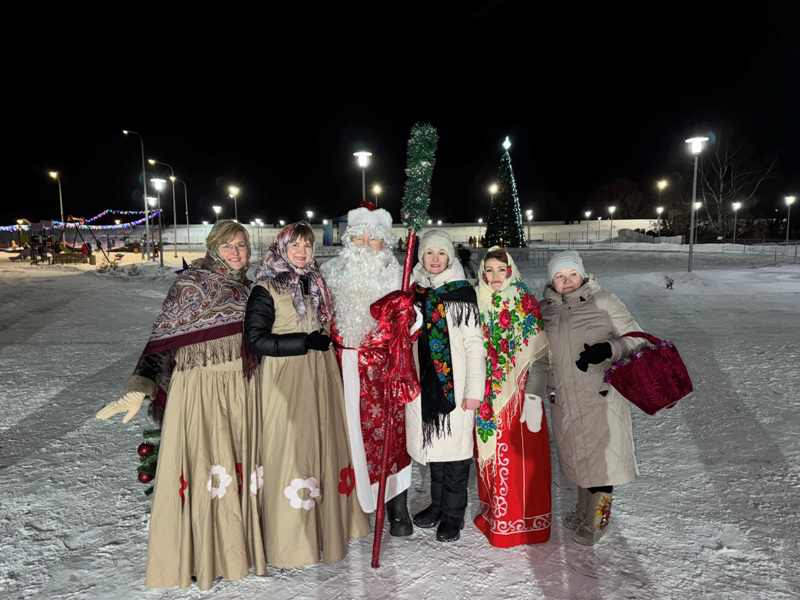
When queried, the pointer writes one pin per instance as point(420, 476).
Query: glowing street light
point(174, 210)
point(54, 175)
point(789, 201)
point(144, 193)
point(587, 214)
point(233, 192)
point(493, 190)
point(439, 222)
point(430, 222)
point(659, 210)
point(281, 222)
point(376, 189)
point(363, 161)
point(696, 147)
point(309, 215)
point(611, 210)
point(217, 210)
point(480, 224)
point(736, 207)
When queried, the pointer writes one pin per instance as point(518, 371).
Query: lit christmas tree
point(505, 219)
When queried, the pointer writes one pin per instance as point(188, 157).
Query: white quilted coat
point(469, 378)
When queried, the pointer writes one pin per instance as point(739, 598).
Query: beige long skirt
point(309, 509)
point(204, 520)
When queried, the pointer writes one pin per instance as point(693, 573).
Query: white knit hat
point(568, 259)
point(436, 238)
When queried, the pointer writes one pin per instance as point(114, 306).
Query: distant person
point(465, 258)
point(591, 419)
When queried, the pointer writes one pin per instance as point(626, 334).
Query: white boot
point(576, 517)
point(598, 516)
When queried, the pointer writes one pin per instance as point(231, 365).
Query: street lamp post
point(159, 185)
point(309, 215)
point(696, 147)
point(144, 194)
point(597, 231)
point(54, 175)
point(259, 223)
point(697, 206)
point(661, 184)
point(152, 203)
point(611, 210)
point(186, 207)
point(529, 217)
point(174, 210)
point(233, 192)
point(363, 161)
point(789, 201)
point(588, 214)
point(217, 210)
point(736, 207)
point(376, 189)
point(480, 225)
point(659, 210)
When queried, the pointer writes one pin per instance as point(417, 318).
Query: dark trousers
point(449, 488)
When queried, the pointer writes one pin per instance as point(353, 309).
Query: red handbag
point(652, 378)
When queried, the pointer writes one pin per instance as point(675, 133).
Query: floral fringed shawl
point(514, 337)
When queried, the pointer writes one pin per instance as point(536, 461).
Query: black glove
point(316, 340)
point(593, 355)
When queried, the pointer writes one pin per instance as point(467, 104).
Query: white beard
point(357, 278)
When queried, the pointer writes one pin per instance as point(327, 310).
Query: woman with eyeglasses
point(204, 520)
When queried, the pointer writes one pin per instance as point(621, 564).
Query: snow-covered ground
point(713, 515)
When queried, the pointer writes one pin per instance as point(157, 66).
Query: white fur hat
point(375, 220)
point(437, 238)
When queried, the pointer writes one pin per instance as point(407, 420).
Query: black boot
point(399, 519)
point(430, 516)
point(449, 530)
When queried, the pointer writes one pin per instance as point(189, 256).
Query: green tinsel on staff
point(419, 170)
point(417, 196)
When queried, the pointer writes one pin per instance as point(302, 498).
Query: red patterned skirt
point(514, 490)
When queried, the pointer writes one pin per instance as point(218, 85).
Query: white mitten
point(130, 402)
point(532, 413)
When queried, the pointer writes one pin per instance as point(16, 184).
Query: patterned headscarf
point(514, 337)
point(277, 267)
point(212, 261)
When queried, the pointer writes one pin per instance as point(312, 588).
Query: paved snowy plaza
point(713, 515)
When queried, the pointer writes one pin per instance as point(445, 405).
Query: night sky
point(277, 105)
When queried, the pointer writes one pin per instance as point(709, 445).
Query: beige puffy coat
point(591, 421)
point(469, 377)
